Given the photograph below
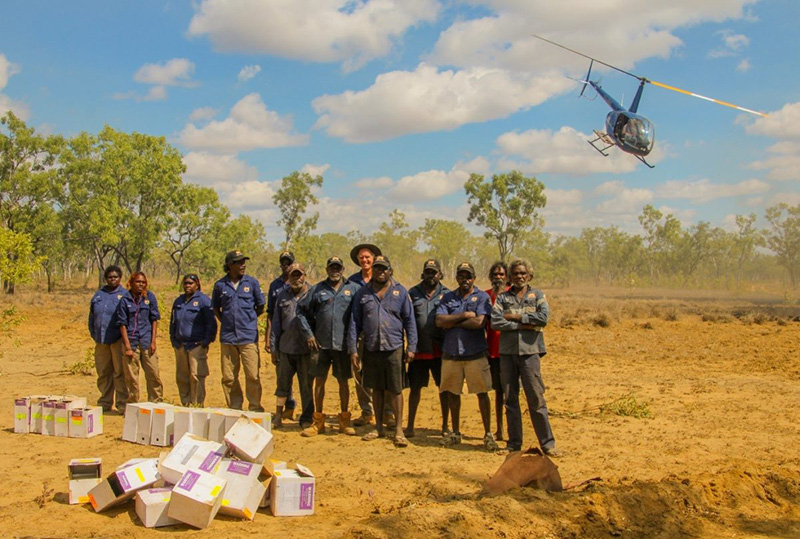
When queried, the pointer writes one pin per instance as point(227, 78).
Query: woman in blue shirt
point(108, 357)
point(137, 318)
point(192, 328)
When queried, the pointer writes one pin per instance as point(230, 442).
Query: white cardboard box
point(152, 506)
point(266, 477)
point(216, 425)
point(293, 492)
point(22, 415)
point(123, 484)
point(84, 475)
point(191, 453)
point(182, 418)
point(244, 491)
point(196, 498)
point(49, 416)
point(144, 422)
point(86, 422)
point(249, 441)
point(36, 412)
point(262, 419)
point(62, 414)
point(199, 424)
point(131, 422)
point(163, 425)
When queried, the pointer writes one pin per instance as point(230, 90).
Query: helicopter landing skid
point(601, 137)
point(640, 158)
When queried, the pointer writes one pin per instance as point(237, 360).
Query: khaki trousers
point(108, 361)
point(191, 369)
point(233, 356)
point(149, 364)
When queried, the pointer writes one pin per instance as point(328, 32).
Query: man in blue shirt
point(382, 312)
point(461, 314)
point(285, 259)
point(238, 301)
point(324, 319)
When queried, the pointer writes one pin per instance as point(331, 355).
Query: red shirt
point(492, 336)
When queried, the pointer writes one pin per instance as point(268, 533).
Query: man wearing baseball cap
point(425, 298)
point(461, 314)
point(383, 314)
point(285, 259)
point(323, 320)
point(237, 301)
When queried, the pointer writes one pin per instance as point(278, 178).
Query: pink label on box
point(158, 490)
point(90, 429)
point(307, 496)
point(210, 462)
point(188, 480)
point(240, 467)
point(123, 481)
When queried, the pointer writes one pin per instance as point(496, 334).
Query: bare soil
point(718, 456)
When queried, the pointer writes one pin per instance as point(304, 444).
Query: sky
point(396, 102)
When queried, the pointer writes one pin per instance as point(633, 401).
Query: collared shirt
point(326, 314)
point(357, 278)
point(461, 343)
point(286, 336)
point(515, 340)
point(101, 315)
point(138, 315)
point(382, 321)
point(238, 308)
point(193, 322)
point(430, 337)
point(272, 294)
point(492, 335)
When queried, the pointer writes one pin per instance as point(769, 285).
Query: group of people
point(366, 327)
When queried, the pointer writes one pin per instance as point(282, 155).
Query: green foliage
point(17, 258)
point(399, 242)
point(506, 206)
point(84, 366)
point(627, 406)
point(292, 199)
point(783, 237)
point(449, 242)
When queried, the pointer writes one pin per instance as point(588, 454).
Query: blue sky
point(395, 102)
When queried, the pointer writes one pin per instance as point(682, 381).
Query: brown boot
point(316, 427)
point(365, 419)
point(344, 424)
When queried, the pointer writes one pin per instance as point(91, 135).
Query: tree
point(207, 255)
point(17, 259)
point(783, 238)
point(448, 241)
point(398, 242)
point(745, 242)
point(695, 246)
point(505, 206)
point(292, 199)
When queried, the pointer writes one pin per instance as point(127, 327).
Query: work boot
point(288, 413)
point(344, 424)
point(365, 419)
point(316, 427)
point(389, 420)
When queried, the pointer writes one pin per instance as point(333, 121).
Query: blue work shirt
point(425, 316)
point(272, 294)
point(238, 309)
point(286, 335)
point(193, 322)
point(101, 315)
point(357, 278)
point(460, 343)
point(515, 339)
point(382, 321)
point(326, 314)
point(138, 317)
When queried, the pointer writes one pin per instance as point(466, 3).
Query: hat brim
point(238, 259)
point(354, 252)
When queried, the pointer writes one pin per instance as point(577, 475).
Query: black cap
point(296, 266)
point(288, 255)
point(334, 260)
point(355, 250)
point(465, 266)
point(432, 263)
point(382, 261)
point(235, 256)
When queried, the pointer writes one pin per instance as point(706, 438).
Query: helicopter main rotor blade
point(717, 101)
point(588, 57)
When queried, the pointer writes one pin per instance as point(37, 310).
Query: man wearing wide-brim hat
point(363, 255)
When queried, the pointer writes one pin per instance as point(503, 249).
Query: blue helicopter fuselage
point(631, 132)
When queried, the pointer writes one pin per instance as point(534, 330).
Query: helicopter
point(630, 132)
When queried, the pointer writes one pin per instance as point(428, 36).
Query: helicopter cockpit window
point(638, 133)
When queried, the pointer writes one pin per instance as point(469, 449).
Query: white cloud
point(348, 31)
point(175, 72)
point(704, 190)
point(686, 217)
point(248, 72)
point(626, 202)
point(613, 187)
point(732, 44)
point(428, 185)
point(558, 197)
point(216, 170)
point(8, 70)
point(250, 125)
point(792, 199)
point(203, 113)
point(315, 170)
point(784, 160)
point(784, 163)
point(784, 123)
point(249, 195)
point(156, 93)
point(382, 182)
point(427, 99)
point(744, 66)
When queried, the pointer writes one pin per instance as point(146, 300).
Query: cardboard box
point(123, 484)
point(130, 425)
point(86, 422)
point(267, 475)
point(49, 416)
point(262, 419)
point(84, 475)
point(182, 418)
point(216, 425)
point(62, 413)
point(144, 422)
point(191, 453)
point(152, 506)
point(163, 425)
point(249, 441)
point(293, 492)
point(196, 498)
point(22, 415)
point(36, 412)
point(199, 424)
point(244, 491)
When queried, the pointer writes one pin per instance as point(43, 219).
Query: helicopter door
point(637, 134)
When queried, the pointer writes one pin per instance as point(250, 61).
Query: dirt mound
point(741, 500)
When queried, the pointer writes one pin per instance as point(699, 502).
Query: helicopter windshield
point(637, 133)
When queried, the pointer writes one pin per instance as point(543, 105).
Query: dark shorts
point(384, 371)
point(418, 370)
point(322, 361)
point(494, 366)
point(289, 366)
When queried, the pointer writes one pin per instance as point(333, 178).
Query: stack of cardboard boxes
point(57, 415)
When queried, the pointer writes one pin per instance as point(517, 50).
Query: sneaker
point(554, 453)
point(489, 443)
point(450, 440)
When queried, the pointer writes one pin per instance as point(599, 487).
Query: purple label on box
point(188, 480)
point(90, 428)
point(307, 496)
point(240, 467)
point(61, 405)
point(158, 490)
point(49, 404)
point(20, 402)
point(210, 462)
point(123, 481)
